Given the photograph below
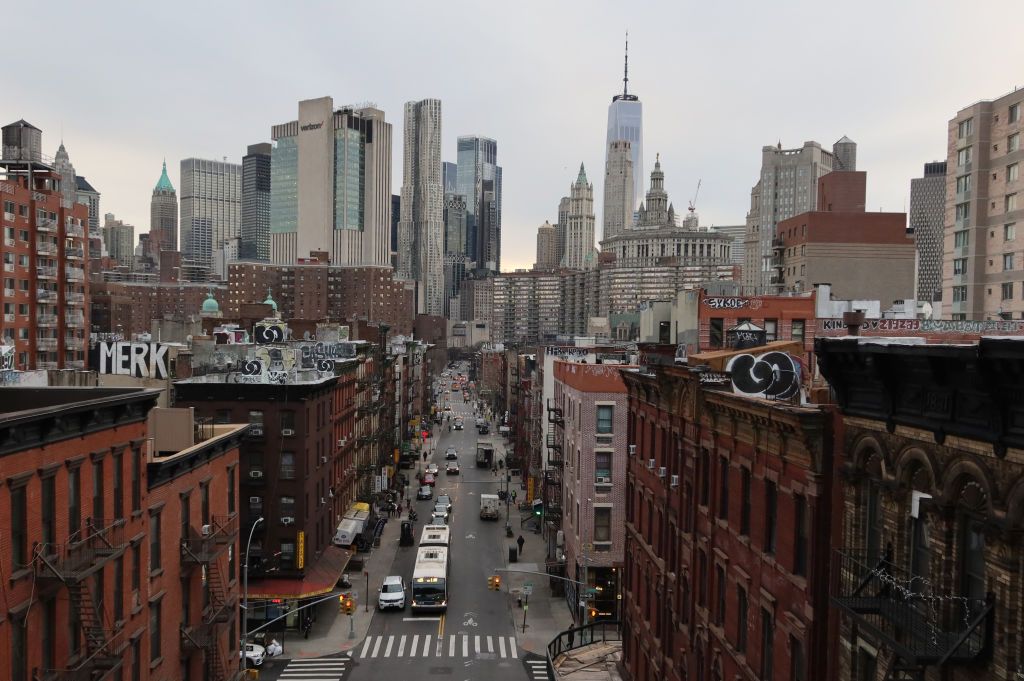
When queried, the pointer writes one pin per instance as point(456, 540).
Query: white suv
point(392, 594)
point(254, 654)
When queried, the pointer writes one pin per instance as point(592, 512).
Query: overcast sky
point(134, 82)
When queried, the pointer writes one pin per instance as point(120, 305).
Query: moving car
point(451, 454)
point(458, 424)
point(425, 493)
point(441, 509)
point(452, 468)
point(439, 518)
point(254, 654)
point(444, 499)
point(428, 479)
point(432, 469)
point(392, 593)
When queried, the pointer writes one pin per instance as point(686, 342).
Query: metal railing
point(45, 294)
point(74, 252)
point(46, 248)
point(49, 272)
point(210, 541)
point(98, 540)
point(578, 637)
point(923, 626)
point(46, 343)
point(74, 273)
point(74, 230)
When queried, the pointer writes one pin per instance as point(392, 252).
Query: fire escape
point(71, 565)
point(918, 626)
point(552, 493)
point(206, 551)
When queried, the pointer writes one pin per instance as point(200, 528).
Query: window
point(1007, 262)
point(1012, 172)
point(97, 489)
point(287, 509)
point(702, 585)
point(154, 542)
point(204, 502)
point(720, 600)
point(959, 294)
point(49, 510)
point(972, 559)
point(118, 487)
point(770, 512)
point(186, 516)
point(49, 634)
point(603, 524)
point(256, 506)
point(796, 655)
point(797, 330)
point(716, 332)
point(801, 542)
point(723, 488)
point(287, 420)
point(154, 631)
point(963, 211)
point(741, 619)
point(137, 659)
point(965, 128)
point(232, 472)
point(136, 567)
point(959, 265)
point(771, 330)
point(1010, 231)
point(963, 157)
point(767, 642)
point(19, 527)
point(961, 238)
point(222, 416)
point(136, 480)
point(604, 418)
point(19, 651)
point(287, 555)
point(74, 500)
point(1013, 143)
point(705, 477)
point(603, 467)
point(287, 465)
point(1010, 202)
point(873, 522)
point(963, 184)
point(867, 665)
point(119, 589)
point(1014, 113)
point(74, 631)
point(745, 501)
point(920, 551)
point(1007, 290)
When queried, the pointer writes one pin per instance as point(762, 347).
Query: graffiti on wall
point(772, 375)
point(6, 357)
point(265, 333)
point(927, 325)
point(125, 358)
point(732, 303)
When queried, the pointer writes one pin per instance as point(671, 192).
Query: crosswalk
point(320, 669)
point(538, 669)
point(453, 645)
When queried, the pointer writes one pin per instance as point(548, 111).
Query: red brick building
point(781, 317)
point(102, 557)
point(728, 529)
point(130, 308)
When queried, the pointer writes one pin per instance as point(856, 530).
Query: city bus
point(435, 535)
point(430, 580)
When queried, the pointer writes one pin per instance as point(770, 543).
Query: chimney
point(853, 320)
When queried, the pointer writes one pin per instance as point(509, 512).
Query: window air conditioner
point(323, 459)
point(207, 530)
point(330, 494)
point(674, 481)
point(255, 500)
point(287, 432)
point(604, 481)
point(662, 471)
point(560, 538)
point(288, 520)
point(650, 464)
point(632, 450)
point(256, 474)
point(322, 501)
point(342, 442)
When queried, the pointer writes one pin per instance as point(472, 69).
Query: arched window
point(972, 504)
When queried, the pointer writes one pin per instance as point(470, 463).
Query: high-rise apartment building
point(120, 240)
point(450, 176)
point(560, 226)
point(330, 187)
point(619, 197)
point(455, 267)
point(579, 226)
point(255, 230)
point(163, 216)
point(479, 180)
point(927, 221)
point(88, 196)
point(547, 248)
point(626, 123)
point(421, 228)
point(983, 263)
point(455, 224)
point(211, 206)
point(45, 291)
point(396, 213)
point(788, 186)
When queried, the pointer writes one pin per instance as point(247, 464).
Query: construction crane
point(693, 203)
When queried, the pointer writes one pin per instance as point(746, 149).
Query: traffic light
point(350, 606)
point(593, 614)
point(494, 583)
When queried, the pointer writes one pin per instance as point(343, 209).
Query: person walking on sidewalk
point(520, 541)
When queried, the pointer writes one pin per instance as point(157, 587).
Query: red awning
point(320, 579)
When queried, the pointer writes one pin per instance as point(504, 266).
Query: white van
point(347, 531)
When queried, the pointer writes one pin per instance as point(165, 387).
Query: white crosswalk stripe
point(538, 669)
point(419, 645)
point(320, 669)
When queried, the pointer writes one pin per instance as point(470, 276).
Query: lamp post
point(245, 593)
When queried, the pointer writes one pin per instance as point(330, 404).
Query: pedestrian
point(513, 496)
point(520, 541)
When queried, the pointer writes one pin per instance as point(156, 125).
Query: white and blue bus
point(435, 535)
point(430, 579)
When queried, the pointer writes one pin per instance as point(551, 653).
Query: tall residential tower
point(618, 189)
point(927, 220)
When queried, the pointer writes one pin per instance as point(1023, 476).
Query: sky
point(129, 84)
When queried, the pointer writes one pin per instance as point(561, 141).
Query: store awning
point(320, 579)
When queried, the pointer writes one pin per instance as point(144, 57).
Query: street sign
point(527, 589)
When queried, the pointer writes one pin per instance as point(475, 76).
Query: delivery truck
point(489, 506)
point(484, 454)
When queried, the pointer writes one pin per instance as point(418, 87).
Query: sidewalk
point(330, 632)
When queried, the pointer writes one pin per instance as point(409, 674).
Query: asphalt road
point(475, 638)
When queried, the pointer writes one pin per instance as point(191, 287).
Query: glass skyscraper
point(626, 122)
point(211, 206)
point(255, 242)
point(479, 180)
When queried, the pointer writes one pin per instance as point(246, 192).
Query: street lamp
point(245, 592)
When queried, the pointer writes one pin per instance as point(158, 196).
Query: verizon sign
point(141, 360)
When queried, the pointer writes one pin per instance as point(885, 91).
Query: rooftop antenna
point(625, 75)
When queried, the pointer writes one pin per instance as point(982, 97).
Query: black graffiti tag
point(774, 375)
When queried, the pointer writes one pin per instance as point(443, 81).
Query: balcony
point(778, 242)
point(43, 272)
point(75, 364)
point(76, 299)
point(46, 366)
point(46, 319)
point(555, 415)
point(46, 343)
point(74, 273)
point(46, 248)
point(74, 253)
point(74, 230)
point(46, 225)
point(86, 551)
point(45, 295)
point(74, 321)
point(204, 546)
point(922, 627)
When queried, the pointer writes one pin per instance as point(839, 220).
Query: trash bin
point(513, 553)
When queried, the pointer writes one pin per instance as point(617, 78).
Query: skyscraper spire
point(625, 75)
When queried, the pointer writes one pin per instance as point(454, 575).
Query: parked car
point(441, 509)
point(391, 593)
point(439, 518)
point(451, 454)
point(452, 468)
point(254, 654)
point(444, 499)
point(425, 493)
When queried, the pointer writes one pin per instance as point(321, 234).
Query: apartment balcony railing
point(74, 230)
point(210, 541)
point(75, 364)
point(922, 626)
point(46, 319)
point(76, 299)
point(74, 321)
point(46, 248)
point(46, 343)
point(43, 272)
point(98, 541)
point(45, 295)
point(74, 252)
point(46, 225)
point(74, 273)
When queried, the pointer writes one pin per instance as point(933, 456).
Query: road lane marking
point(415, 645)
point(426, 646)
point(476, 644)
point(501, 645)
point(421, 619)
point(401, 645)
point(366, 646)
point(465, 645)
point(490, 645)
point(376, 646)
point(451, 645)
point(387, 648)
point(512, 647)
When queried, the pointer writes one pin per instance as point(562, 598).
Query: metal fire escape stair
point(88, 616)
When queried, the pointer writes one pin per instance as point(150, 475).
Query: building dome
point(210, 305)
point(270, 301)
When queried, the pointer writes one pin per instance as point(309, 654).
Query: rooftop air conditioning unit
point(255, 500)
point(650, 464)
point(632, 450)
point(674, 482)
point(287, 520)
point(604, 481)
point(207, 530)
point(287, 432)
point(662, 471)
point(256, 474)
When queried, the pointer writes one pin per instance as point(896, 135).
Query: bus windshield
point(428, 590)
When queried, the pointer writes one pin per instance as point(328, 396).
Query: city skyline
point(898, 119)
